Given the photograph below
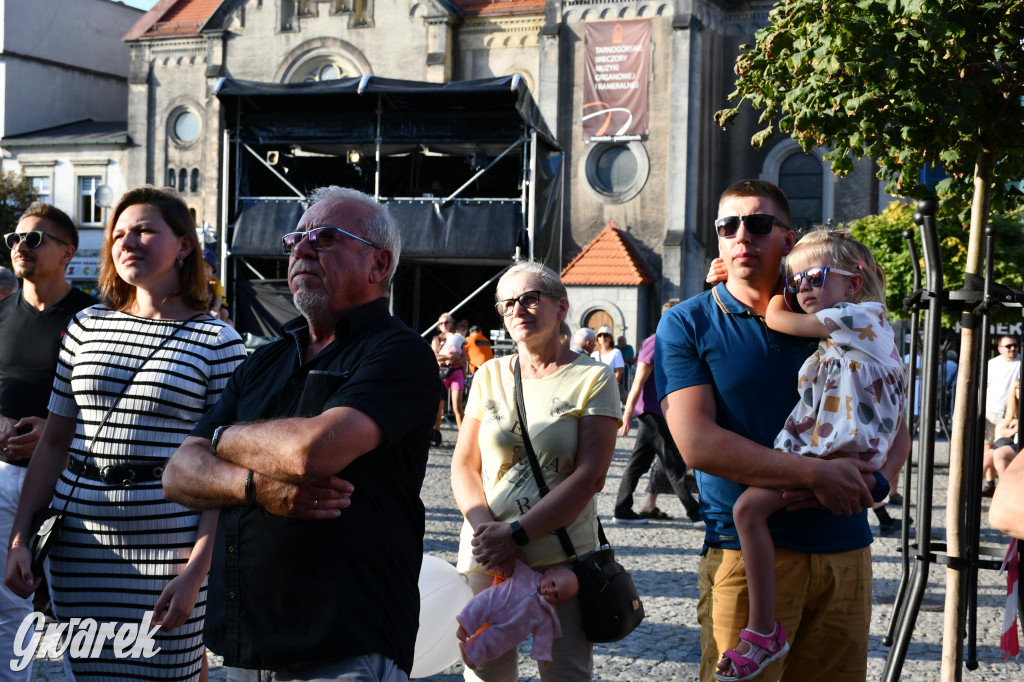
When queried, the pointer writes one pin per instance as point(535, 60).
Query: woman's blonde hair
point(552, 282)
point(192, 284)
point(837, 248)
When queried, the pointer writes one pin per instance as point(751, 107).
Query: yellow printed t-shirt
point(554, 406)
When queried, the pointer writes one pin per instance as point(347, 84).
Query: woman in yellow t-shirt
point(573, 412)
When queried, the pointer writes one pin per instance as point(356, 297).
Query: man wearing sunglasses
point(1002, 370)
point(32, 324)
point(310, 571)
point(726, 384)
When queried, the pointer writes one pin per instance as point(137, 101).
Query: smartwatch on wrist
point(882, 487)
point(519, 535)
point(216, 438)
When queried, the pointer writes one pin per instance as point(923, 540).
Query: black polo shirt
point(288, 594)
point(29, 346)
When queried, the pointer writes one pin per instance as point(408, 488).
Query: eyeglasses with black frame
point(319, 238)
point(757, 223)
point(527, 299)
point(815, 277)
point(33, 239)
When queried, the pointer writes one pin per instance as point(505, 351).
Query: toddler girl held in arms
point(852, 397)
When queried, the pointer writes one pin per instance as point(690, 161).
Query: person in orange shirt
point(478, 348)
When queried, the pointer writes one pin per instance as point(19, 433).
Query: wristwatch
point(519, 535)
point(216, 438)
point(882, 487)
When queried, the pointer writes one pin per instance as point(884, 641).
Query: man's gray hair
point(552, 282)
point(378, 227)
point(8, 282)
point(583, 336)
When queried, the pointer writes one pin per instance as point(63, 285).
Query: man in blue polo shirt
point(727, 383)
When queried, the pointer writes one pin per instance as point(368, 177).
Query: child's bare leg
point(751, 514)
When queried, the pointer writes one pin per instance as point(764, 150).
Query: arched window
point(321, 69)
point(182, 180)
point(172, 178)
point(194, 184)
point(800, 177)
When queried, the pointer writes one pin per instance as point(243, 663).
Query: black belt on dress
point(117, 475)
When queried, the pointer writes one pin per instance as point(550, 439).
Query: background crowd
point(180, 466)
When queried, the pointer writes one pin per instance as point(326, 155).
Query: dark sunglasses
point(32, 239)
point(1010, 345)
point(757, 223)
point(528, 299)
point(319, 238)
point(815, 277)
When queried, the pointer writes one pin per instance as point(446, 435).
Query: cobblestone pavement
point(663, 557)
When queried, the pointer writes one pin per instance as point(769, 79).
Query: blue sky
point(141, 4)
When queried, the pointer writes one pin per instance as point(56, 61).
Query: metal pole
point(376, 148)
point(915, 319)
point(528, 200)
point(925, 217)
point(273, 170)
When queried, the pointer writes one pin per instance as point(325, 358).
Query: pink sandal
point(763, 652)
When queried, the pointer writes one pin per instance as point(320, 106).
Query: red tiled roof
point(170, 18)
point(479, 8)
point(610, 259)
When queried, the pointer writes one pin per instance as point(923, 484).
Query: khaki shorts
point(823, 601)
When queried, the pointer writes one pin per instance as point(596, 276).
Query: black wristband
point(882, 487)
point(216, 438)
point(250, 490)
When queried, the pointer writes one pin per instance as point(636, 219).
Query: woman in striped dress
point(156, 361)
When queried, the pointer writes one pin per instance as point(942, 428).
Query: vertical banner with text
point(617, 65)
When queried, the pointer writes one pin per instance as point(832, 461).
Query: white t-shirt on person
point(612, 358)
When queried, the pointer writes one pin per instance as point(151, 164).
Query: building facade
point(661, 186)
point(63, 109)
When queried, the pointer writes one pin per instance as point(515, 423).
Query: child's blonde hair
point(838, 249)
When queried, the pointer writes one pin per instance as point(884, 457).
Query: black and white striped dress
point(120, 546)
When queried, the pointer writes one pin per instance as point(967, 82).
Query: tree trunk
point(966, 390)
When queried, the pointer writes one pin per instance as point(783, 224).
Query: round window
point(617, 171)
point(186, 126)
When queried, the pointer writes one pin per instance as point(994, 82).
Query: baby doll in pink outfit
point(501, 617)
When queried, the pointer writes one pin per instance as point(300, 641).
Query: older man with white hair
point(315, 577)
point(584, 341)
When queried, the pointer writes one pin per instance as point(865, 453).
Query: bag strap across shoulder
point(124, 389)
point(563, 535)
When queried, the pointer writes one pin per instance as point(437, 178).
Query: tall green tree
point(884, 235)
point(909, 83)
point(16, 193)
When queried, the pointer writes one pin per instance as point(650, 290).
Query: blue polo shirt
point(714, 339)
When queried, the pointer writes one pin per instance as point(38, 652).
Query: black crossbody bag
point(46, 522)
point(609, 603)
